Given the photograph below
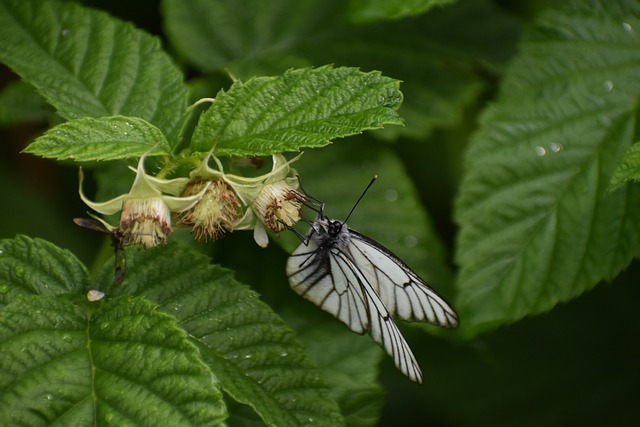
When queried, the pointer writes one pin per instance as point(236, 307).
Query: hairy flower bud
point(269, 201)
point(145, 222)
point(215, 212)
point(278, 206)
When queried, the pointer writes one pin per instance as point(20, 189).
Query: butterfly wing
point(315, 275)
point(330, 279)
point(405, 295)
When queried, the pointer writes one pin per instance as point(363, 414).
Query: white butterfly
point(364, 285)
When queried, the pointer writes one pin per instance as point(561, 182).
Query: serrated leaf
point(117, 361)
point(253, 353)
point(37, 267)
point(537, 227)
point(361, 11)
point(302, 108)
point(104, 138)
point(628, 170)
point(88, 64)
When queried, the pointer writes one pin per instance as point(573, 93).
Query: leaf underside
point(537, 226)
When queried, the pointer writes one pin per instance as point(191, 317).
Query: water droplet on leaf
point(556, 147)
point(410, 241)
point(391, 195)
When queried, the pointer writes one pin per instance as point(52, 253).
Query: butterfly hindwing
point(326, 281)
point(382, 328)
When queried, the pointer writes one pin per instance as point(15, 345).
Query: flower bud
point(145, 222)
point(215, 212)
point(278, 206)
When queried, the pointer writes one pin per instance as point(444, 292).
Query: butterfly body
point(329, 234)
point(365, 285)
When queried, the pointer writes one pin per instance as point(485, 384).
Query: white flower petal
point(170, 186)
point(106, 208)
point(179, 204)
point(260, 235)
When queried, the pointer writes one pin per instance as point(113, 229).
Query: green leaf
point(19, 102)
point(253, 353)
point(302, 108)
point(537, 226)
point(104, 138)
point(349, 364)
point(214, 34)
point(628, 170)
point(37, 267)
point(88, 64)
point(437, 84)
point(375, 10)
point(117, 361)
point(438, 56)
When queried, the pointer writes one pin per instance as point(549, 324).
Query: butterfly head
point(329, 233)
point(335, 228)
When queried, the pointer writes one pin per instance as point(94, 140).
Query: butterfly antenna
point(360, 198)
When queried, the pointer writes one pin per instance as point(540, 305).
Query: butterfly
point(117, 241)
point(364, 285)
